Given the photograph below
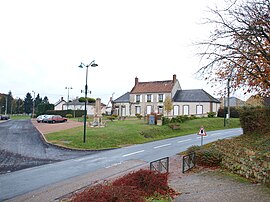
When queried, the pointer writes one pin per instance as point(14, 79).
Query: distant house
point(233, 101)
point(59, 105)
point(147, 97)
point(76, 105)
point(256, 100)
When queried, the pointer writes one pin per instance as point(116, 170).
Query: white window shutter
point(145, 98)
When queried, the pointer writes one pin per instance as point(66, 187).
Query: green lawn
point(122, 133)
point(18, 117)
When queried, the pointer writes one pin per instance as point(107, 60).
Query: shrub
point(146, 181)
point(211, 114)
point(255, 120)
point(139, 116)
point(193, 148)
point(133, 187)
point(69, 116)
point(111, 118)
point(165, 120)
point(104, 193)
point(208, 157)
point(234, 112)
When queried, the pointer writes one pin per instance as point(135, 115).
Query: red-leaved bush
point(133, 187)
point(146, 181)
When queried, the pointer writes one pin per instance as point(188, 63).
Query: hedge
point(234, 112)
point(255, 120)
point(78, 113)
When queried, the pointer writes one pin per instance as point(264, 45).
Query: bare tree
point(239, 46)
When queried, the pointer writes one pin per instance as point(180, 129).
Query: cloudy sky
point(43, 42)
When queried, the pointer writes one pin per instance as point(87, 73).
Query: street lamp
point(92, 64)
point(68, 95)
point(33, 104)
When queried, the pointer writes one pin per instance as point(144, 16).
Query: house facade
point(76, 105)
point(147, 97)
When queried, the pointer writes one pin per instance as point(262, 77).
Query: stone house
point(147, 97)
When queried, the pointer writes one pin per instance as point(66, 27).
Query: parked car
point(4, 117)
point(41, 118)
point(55, 119)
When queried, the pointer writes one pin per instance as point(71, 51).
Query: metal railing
point(188, 162)
point(160, 165)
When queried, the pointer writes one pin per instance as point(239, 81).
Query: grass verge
point(122, 133)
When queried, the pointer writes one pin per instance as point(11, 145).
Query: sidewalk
point(206, 185)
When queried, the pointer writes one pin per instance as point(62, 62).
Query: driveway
point(22, 146)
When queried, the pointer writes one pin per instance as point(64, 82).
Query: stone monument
point(97, 115)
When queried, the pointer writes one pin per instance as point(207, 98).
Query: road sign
point(202, 132)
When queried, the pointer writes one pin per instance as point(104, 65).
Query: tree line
point(28, 105)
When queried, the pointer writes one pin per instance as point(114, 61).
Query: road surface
point(21, 146)
point(24, 181)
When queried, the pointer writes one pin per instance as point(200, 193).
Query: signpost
point(202, 133)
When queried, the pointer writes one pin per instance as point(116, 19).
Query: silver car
point(41, 118)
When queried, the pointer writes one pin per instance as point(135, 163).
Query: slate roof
point(122, 99)
point(196, 95)
point(153, 87)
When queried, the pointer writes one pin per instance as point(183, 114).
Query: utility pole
point(228, 86)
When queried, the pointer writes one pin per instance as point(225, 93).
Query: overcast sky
point(43, 42)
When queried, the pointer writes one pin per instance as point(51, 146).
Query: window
point(149, 98)
point(160, 110)
point(186, 110)
point(137, 110)
point(148, 109)
point(160, 97)
point(175, 110)
point(138, 98)
point(199, 109)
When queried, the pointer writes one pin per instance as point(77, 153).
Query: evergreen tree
point(28, 104)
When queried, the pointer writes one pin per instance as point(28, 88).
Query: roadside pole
point(202, 133)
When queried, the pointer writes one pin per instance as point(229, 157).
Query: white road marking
point(215, 134)
point(133, 153)
point(89, 158)
point(184, 140)
point(115, 164)
point(164, 145)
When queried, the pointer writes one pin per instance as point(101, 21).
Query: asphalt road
point(21, 146)
point(24, 181)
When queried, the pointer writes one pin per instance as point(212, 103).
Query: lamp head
point(81, 65)
point(93, 64)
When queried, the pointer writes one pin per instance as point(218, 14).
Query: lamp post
point(92, 64)
point(68, 95)
point(33, 104)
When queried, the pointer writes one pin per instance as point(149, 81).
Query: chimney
point(174, 78)
point(62, 98)
point(136, 80)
